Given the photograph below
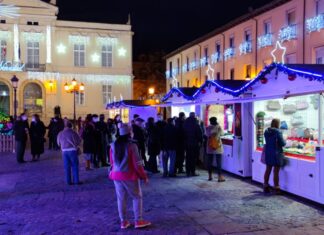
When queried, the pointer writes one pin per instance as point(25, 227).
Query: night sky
point(159, 25)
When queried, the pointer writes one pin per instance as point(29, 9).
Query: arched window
point(33, 99)
point(4, 98)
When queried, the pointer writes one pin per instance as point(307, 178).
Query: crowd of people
point(124, 147)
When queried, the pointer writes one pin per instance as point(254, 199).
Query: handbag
point(213, 142)
point(301, 105)
point(263, 155)
point(289, 108)
point(273, 105)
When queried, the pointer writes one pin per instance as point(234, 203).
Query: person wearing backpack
point(214, 148)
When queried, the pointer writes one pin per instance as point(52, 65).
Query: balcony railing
point(265, 40)
point(315, 24)
point(216, 57)
point(229, 53)
point(245, 47)
point(288, 33)
point(35, 67)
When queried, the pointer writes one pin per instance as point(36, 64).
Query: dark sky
point(159, 24)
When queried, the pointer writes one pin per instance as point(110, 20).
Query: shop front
point(293, 94)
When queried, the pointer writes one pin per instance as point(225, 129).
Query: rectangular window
point(231, 42)
point(319, 7)
point(187, 63)
point(170, 69)
point(2, 21)
point(218, 75)
point(267, 27)
point(291, 59)
point(188, 83)
point(232, 74)
point(291, 17)
point(178, 66)
point(320, 55)
point(79, 55)
point(106, 93)
point(80, 98)
point(247, 35)
point(3, 50)
point(218, 51)
point(106, 56)
point(195, 59)
point(206, 55)
point(32, 55)
point(248, 71)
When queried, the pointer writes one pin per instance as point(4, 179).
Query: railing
point(315, 24)
point(35, 67)
point(246, 47)
point(7, 143)
point(265, 40)
point(229, 53)
point(288, 33)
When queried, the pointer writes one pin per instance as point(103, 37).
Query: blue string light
point(176, 90)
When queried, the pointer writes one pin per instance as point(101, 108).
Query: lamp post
point(74, 88)
point(14, 81)
point(151, 92)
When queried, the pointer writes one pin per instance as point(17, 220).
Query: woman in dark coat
point(89, 142)
point(274, 157)
point(153, 145)
point(37, 132)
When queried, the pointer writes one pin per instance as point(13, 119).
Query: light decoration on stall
point(292, 72)
point(5, 35)
point(48, 44)
point(177, 91)
point(315, 24)
point(61, 49)
point(279, 46)
point(16, 43)
point(33, 36)
point(210, 73)
point(122, 52)
point(95, 57)
point(79, 39)
point(9, 11)
point(229, 53)
point(265, 40)
point(103, 41)
point(288, 33)
point(245, 47)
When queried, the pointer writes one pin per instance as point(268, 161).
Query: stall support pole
point(320, 113)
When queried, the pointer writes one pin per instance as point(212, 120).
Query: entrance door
point(4, 98)
point(33, 99)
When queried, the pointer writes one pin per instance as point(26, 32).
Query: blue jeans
point(165, 158)
point(71, 162)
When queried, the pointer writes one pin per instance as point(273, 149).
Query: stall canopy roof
point(186, 92)
point(131, 104)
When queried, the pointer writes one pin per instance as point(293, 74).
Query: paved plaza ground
point(35, 200)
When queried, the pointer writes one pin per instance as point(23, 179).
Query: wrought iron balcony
point(265, 40)
point(245, 47)
point(35, 67)
point(315, 24)
point(229, 53)
point(288, 33)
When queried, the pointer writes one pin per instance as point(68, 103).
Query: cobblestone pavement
point(35, 200)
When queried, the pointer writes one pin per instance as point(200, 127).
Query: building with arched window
point(46, 53)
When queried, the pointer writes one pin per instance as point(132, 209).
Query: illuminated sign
point(11, 66)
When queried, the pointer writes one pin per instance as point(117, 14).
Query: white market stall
point(294, 94)
point(221, 99)
point(127, 108)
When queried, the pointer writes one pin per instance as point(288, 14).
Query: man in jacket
point(169, 148)
point(69, 142)
point(139, 137)
point(193, 141)
point(21, 128)
point(180, 156)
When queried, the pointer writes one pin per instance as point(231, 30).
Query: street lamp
point(151, 92)
point(14, 81)
point(74, 88)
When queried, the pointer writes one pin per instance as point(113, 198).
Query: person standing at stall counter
point(214, 132)
point(126, 171)
point(274, 156)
